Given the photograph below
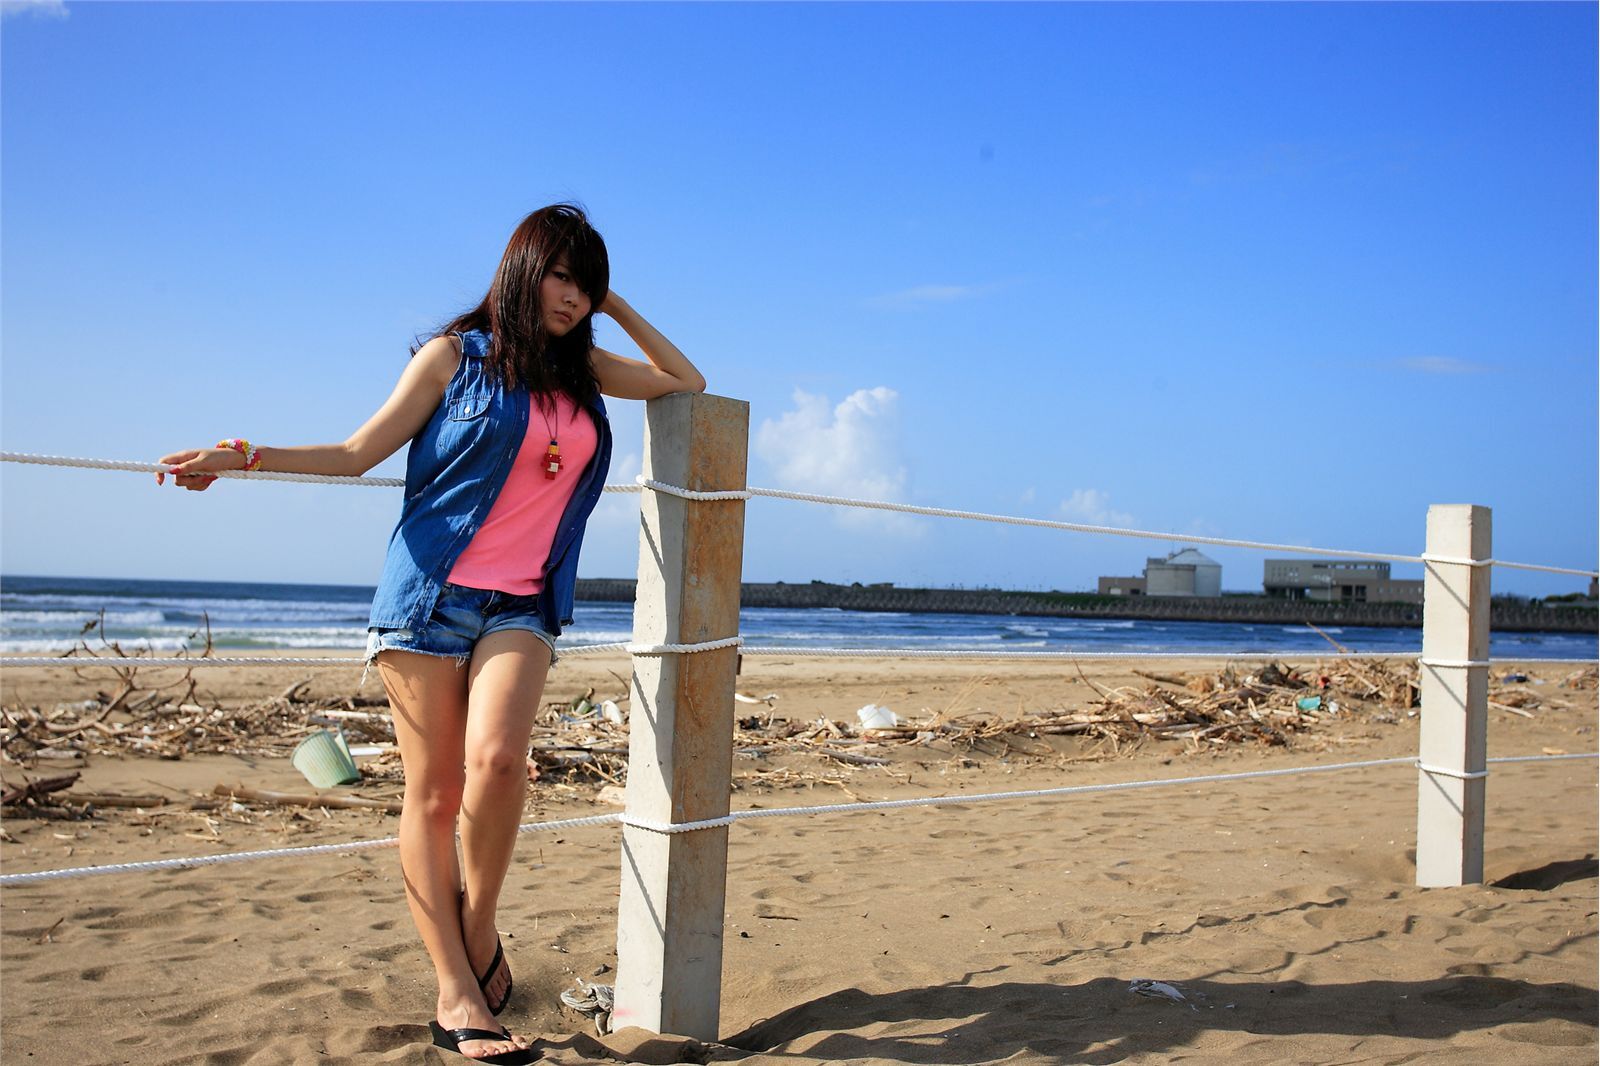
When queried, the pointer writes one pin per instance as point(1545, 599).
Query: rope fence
point(668, 978)
point(957, 654)
point(155, 865)
point(836, 501)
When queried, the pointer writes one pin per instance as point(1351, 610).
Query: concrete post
point(1455, 697)
point(680, 755)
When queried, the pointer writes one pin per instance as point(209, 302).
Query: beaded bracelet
point(252, 457)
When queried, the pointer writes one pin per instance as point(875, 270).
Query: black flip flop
point(488, 975)
point(451, 1040)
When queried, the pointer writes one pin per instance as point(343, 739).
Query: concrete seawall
point(1504, 617)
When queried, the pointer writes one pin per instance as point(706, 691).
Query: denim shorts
point(462, 617)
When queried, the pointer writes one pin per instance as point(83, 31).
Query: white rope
point(684, 649)
point(158, 468)
point(270, 853)
point(781, 652)
point(988, 797)
point(1459, 775)
point(837, 501)
point(1453, 664)
point(1078, 527)
point(141, 660)
point(1069, 656)
point(773, 812)
point(1544, 569)
point(1454, 561)
point(692, 494)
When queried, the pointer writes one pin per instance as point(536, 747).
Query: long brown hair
point(520, 351)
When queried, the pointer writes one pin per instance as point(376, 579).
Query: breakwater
point(1506, 617)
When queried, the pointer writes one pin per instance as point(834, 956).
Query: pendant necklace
point(552, 455)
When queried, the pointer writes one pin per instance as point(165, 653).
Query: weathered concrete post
point(680, 755)
point(1455, 697)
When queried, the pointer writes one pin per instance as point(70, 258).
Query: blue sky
point(1287, 272)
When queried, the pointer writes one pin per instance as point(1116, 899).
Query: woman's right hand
point(189, 467)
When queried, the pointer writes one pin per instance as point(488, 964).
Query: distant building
point(1183, 573)
point(1337, 581)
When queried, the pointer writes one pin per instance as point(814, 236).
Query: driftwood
point(291, 799)
point(115, 799)
point(30, 791)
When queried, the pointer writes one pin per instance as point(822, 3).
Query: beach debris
point(874, 717)
point(31, 791)
point(1144, 986)
point(583, 742)
point(592, 1001)
point(1584, 680)
point(290, 799)
point(324, 759)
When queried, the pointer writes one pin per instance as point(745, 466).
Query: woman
point(509, 450)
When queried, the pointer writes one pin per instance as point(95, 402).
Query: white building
point(1183, 573)
point(1337, 580)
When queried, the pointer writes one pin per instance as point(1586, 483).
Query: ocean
point(42, 615)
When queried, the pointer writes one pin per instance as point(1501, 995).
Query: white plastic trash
point(874, 717)
point(324, 759)
point(612, 713)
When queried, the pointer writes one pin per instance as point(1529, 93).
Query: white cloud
point(926, 295)
point(1092, 507)
point(624, 468)
point(1441, 364)
point(56, 9)
point(848, 449)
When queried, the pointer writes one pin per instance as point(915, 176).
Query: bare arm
point(668, 370)
point(406, 411)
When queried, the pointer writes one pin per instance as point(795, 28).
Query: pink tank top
point(509, 551)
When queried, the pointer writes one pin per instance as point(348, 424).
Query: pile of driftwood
point(1584, 680)
point(1265, 704)
point(149, 710)
point(586, 741)
point(155, 721)
point(1260, 705)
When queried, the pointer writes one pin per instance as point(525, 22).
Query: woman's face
point(562, 303)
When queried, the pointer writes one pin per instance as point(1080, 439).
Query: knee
point(436, 798)
point(498, 762)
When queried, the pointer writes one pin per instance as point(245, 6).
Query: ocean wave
point(570, 636)
point(77, 619)
point(231, 610)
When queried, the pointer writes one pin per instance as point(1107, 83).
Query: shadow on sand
point(1100, 1021)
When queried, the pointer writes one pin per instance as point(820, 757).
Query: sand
point(1284, 910)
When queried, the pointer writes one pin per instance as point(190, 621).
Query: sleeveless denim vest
point(455, 468)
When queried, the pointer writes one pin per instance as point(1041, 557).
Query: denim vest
point(455, 468)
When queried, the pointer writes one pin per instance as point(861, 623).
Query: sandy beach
point(1283, 911)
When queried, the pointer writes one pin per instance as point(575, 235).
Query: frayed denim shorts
point(462, 617)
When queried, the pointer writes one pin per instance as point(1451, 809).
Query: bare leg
point(506, 684)
point(429, 697)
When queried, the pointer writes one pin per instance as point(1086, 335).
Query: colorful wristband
point(252, 457)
